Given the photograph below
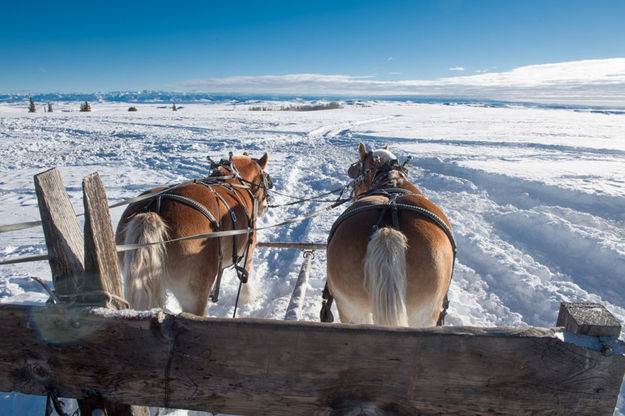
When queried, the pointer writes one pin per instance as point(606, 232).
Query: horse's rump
point(231, 198)
point(355, 249)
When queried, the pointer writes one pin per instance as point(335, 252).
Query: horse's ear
point(362, 151)
point(386, 147)
point(263, 161)
point(245, 154)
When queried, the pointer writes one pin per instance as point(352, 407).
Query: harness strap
point(386, 192)
point(392, 204)
point(241, 271)
point(425, 212)
point(191, 203)
point(210, 183)
point(214, 295)
point(326, 306)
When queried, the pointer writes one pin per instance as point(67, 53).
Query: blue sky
point(131, 45)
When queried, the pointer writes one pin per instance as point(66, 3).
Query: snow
point(534, 194)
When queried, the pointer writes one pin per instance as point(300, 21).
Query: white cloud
point(390, 58)
point(456, 68)
point(579, 81)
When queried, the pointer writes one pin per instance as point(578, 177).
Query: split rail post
point(591, 319)
point(296, 304)
point(294, 310)
point(84, 269)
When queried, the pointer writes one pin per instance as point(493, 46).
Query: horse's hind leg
point(353, 313)
point(191, 286)
point(248, 290)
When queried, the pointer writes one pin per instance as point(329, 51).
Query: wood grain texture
point(63, 236)
point(248, 366)
point(102, 269)
point(588, 319)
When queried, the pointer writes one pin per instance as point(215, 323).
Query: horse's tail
point(385, 276)
point(144, 268)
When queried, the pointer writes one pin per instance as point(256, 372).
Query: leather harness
point(394, 207)
point(154, 205)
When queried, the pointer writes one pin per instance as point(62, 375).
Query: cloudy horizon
point(577, 81)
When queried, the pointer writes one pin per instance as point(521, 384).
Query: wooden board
point(64, 238)
point(247, 366)
point(102, 270)
point(588, 319)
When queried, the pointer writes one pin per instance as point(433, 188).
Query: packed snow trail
point(535, 196)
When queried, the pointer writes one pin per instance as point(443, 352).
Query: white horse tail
point(385, 276)
point(144, 268)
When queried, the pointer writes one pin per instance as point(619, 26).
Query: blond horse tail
point(385, 276)
point(144, 268)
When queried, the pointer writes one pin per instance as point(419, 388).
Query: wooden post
point(248, 366)
point(62, 232)
point(102, 282)
point(102, 271)
point(591, 319)
point(84, 269)
point(294, 311)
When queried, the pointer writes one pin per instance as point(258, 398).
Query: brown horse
point(231, 198)
point(391, 253)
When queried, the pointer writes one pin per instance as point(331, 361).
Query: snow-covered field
point(536, 196)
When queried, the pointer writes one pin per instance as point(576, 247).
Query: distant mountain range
point(202, 97)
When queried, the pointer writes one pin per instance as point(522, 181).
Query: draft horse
point(231, 198)
point(391, 253)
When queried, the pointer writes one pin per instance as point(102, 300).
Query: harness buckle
point(241, 273)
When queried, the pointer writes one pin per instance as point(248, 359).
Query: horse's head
point(375, 168)
point(251, 171)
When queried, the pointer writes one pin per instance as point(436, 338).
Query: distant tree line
point(32, 108)
point(307, 107)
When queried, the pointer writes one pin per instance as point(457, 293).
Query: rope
point(19, 226)
point(311, 199)
point(217, 234)
point(108, 296)
point(26, 259)
point(128, 247)
point(53, 296)
point(31, 224)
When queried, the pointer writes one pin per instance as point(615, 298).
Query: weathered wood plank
point(102, 276)
point(249, 366)
point(63, 236)
point(296, 304)
point(102, 270)
point(588, 319)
